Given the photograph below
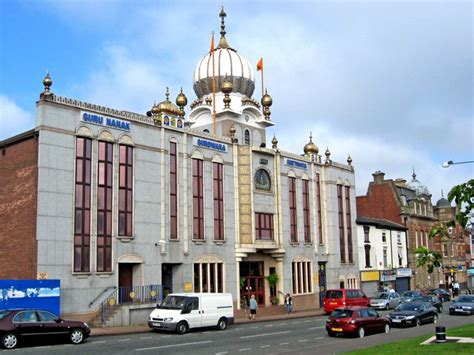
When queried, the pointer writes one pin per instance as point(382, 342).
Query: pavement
point(239, 319)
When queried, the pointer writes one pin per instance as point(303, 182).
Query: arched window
point(262, 180)
point(247, 137)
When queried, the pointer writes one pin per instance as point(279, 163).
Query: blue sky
point(390, 83)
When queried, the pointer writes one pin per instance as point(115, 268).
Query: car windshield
point(334, 294)
point(408, 307)
point(407, 294)
point(3, 314)
point(382, 295)
point(424, 298)
point(341, 313)
point(469, 299)
point(173, 302)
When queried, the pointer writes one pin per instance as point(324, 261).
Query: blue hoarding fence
point(43, 294)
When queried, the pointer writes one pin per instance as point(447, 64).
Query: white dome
point(420, 188)
point(226, 62)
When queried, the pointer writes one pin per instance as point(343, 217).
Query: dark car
point(434, 300)
point(464, 304)
point(408, 296)
point(357, 321)
point(17, 325)
point(441, 293)
point(413, 313)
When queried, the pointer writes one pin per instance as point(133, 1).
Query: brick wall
point(380, 202)
point(18, 196)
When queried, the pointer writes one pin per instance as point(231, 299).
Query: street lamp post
point(448, 163)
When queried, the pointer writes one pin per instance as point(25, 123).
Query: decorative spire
point(274, 142)
point(181, 101)
point(349, 159)
point(47, 82)
point(266, 101)
point(167, 94)
point(226, 88)
point(223, 42)
point(328, 155)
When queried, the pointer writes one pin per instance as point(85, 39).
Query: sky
point(390, 83)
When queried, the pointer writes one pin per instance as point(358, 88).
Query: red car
point(356, 321)
point(16, 325)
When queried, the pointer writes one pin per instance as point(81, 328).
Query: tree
point(428, 258)
point(463, 196)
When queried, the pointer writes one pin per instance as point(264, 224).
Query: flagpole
point(214, 118)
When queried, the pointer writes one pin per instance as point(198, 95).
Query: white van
point(182, 311)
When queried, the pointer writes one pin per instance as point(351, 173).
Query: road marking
point(295, 322)
point(264, 346)
point(306, 321)
point(124, 339)
point(144, 338)
point(322, 326)
point(264, 335)
point(99, 342)
point(282, 323)
point(42, 347)
point(302, 340)
point(222, 353)
point(174, 345)
point(318, 338)
point(246, 349)
point(269, 325)
point(284, 343)
point(167, 336)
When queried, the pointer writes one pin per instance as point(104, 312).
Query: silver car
point(385, 300)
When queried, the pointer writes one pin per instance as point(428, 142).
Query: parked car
point(434, 300)
point(442, 294)
point(413, 313)
point(337, 298)
point(385, 300)
point(464, 304)
point(182, 311)
point(408, 296)
point(357, 321)
point(17, 325)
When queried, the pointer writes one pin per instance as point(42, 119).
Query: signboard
point(105, 121)
point(296, 164)
point(404, 272)
point(188, 287)
point(388, 275)
point(43, 294)
point(171, 121)
point(369, 276)
point(208, 144)
point(41, 276)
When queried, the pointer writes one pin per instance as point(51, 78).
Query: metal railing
point(129, 295)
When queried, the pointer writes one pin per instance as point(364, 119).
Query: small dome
point(267, 100)
point(181, 99)
point(167, 107)
point(311, 148)
point(443, 203)
point(418, 187)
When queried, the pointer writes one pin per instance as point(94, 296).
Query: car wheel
point(361, 332)
point(222, 324)
point(435, 318)
point(331, 333)
point(76, 336)
point(386, 329)
point(9, 341)
point(418, 322)
point(182, 328)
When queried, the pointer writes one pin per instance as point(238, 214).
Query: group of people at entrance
point(251, 306)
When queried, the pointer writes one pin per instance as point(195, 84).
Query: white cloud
point(13, 119)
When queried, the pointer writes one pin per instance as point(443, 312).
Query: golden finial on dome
point(349, 159)
point(167, 107)
point(223, 42)
point(226, 88)
point(47, 82)
point(310, 148)
point(181, 101)
point(167, 94)
point(266, 101)
point(274, 142)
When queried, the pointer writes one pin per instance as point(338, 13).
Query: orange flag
point(260, 65)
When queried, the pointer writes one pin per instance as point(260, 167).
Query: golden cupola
point(167, 107)
point(311, 148)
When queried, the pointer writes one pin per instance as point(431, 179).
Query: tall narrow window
point(367, 255)
point(82, 231)
point(292, 203)
point(104, 207)
point(218, 190)
point(264, 226)
point(340, 215)
point(198, 200)
point(306, 214)
point(247, 137)
point(318, 206)
point(173, 193)
point(125, 190)
point(349, 224)
point(385, 257)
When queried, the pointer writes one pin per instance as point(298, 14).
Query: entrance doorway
point(167, 278)
point(125, 282)
point(322, 281)
point(253, 281)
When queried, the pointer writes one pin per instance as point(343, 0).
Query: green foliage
point(439, 230)
point(272, 279)
point(463, 196)
point(242, 282)
point(428, 258)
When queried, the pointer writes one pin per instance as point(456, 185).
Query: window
point(83, 205)
point(198, 200)
point(292, 204)
point(399, 239)
point(173, 193)
point(366, 234)
point(306, 214)
point(45, 316)
point(385, 258)
point(104, 207)
point(342, 241)
point(264, 226)
point(400, 257)
point(262, 180)
point(125, 190)
point(218, 190)
point(301, 276)
point(209, 277)
point(318, 206)
point(384, 237)
point(367, 255)
point(246, 137)
point(349, 223)
point(25, 317)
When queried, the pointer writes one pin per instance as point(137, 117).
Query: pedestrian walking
point(253, 307)
point(288, 303)
point(245, 306)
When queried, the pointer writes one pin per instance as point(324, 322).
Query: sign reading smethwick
point(205, 143)
point(105, 121)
